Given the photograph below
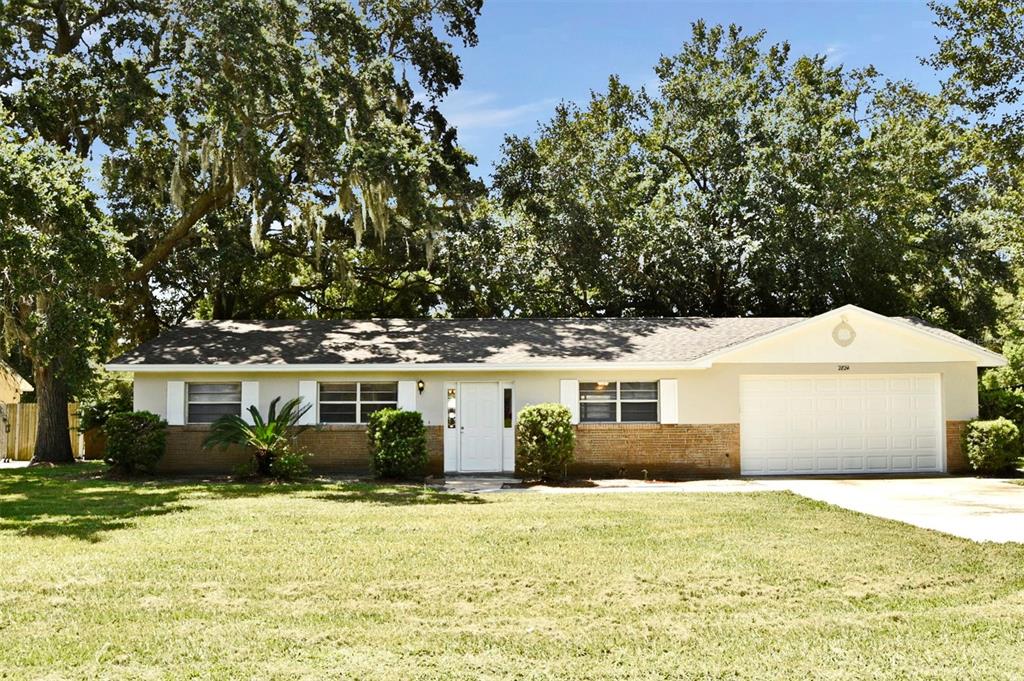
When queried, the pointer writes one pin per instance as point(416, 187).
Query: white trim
point(407, 395)
point(250, 398)
point(309, 393)
point(668, 401)
point(508, 435)
point(175, 403)
point(569, 396)
point(451, 435)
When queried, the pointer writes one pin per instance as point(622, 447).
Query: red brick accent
point(665, 451)
point(956, 462)
point(334, 449)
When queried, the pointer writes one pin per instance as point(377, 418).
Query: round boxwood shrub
point(398, 444)
point(135, 441)
point(545, 440)
point(992, 446)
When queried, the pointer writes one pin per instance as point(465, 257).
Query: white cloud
point(835, 53)
point(473, 110)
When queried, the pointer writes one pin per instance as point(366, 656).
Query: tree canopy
point(751, 182)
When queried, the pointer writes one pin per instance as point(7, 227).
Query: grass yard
point(104, 579)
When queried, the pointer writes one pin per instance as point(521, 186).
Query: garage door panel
point(877, 442)
point(802, 444)
point(852, 464)
point(840, 424)
point(826, 444)
point(827, 464)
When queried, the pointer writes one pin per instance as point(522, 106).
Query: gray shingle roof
point(448, 341)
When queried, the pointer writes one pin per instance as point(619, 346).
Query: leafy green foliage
point(55, 247)
point(267, 438)
point(751, 182)
point(545, 440)
point(398, 444)
point(289, 464)
point(109, 394)
point(286, 129)
point(992, 446)
point(135, 441)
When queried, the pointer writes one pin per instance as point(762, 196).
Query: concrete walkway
point(981, 509)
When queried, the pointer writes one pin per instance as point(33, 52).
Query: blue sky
point(533, 53)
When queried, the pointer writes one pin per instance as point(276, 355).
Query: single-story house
point(11, 385)
point(849, 391)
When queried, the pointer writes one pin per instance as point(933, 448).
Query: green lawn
point(115, 580)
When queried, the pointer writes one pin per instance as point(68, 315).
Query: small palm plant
point(267, 439)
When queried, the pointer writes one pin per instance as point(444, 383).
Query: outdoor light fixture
point(420, 385)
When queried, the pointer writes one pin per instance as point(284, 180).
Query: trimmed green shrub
point(545, 440)
point(289, 464)
point(398, 444)
point(136, 441)
point(992, 446)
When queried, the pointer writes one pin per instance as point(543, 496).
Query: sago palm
point(264, 437)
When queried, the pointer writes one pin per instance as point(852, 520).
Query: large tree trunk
point(53, 437)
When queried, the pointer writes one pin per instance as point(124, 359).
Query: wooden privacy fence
point(18, 430)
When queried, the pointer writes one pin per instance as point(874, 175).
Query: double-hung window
point(354, 402)
point(619, 402)
point(207, 402)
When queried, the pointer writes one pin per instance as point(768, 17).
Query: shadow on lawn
point(78, 502)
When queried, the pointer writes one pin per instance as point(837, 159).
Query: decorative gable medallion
point(843, 334)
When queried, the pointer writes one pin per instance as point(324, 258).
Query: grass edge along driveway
point(104, 579)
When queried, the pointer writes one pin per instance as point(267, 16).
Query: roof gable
point(876, 339)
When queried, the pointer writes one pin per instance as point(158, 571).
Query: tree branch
point(703, 185)
point(207, 202)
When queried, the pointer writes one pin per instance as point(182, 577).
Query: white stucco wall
point(705, 395)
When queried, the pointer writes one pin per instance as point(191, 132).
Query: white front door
point(480, 429)
point(886, 423)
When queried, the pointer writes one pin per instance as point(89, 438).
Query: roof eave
point(402, 366)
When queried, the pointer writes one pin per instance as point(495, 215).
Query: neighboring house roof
point(498, 343)
point(15, 379)
point(448, 341)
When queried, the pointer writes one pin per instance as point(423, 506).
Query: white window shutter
point(407, 395)
point(250, 398)
point(175, 403)
point(307, 391)
point(569, 391)
point(668, 400)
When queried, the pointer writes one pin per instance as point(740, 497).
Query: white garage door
point(840, 424)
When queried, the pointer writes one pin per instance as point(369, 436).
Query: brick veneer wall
point(665, 451)
point(956, 462)
point(335, 449)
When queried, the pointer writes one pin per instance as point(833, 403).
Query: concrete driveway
point(982, 509)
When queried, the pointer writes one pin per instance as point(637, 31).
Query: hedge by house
point(398, 444)
point(136, 441)
point(992, 446)
point(545, 440)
